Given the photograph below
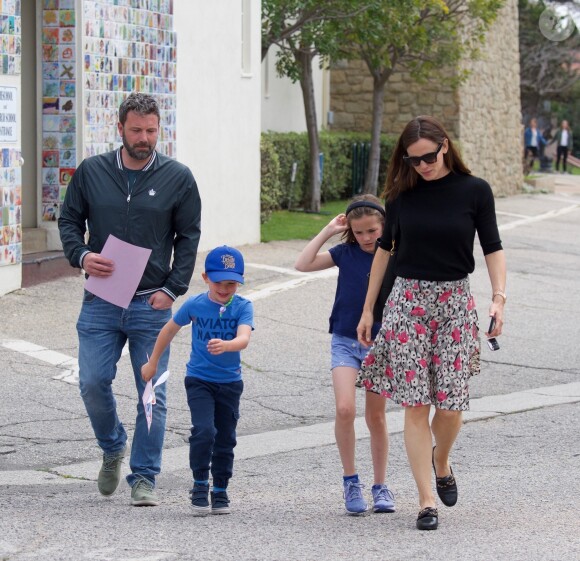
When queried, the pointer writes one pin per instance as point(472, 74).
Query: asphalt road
point(517, 459)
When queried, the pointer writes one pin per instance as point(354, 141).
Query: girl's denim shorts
point(346, 352)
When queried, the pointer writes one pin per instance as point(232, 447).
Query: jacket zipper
point(129, 192)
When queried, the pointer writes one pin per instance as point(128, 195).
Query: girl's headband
point(369, 204)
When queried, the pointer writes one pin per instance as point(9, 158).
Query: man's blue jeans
point(103, 329)
point(215, 410)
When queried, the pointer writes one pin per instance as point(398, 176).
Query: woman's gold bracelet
point(500, 293)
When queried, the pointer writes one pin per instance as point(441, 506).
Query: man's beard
point(141, 151)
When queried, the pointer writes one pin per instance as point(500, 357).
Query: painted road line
point(277, 287)
point(538, 218)
point(514, 214)
point(36, 351)
point(312, 436)
point(68, 364)
point(283, 270)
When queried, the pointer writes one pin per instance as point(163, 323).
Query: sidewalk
point(568, 184)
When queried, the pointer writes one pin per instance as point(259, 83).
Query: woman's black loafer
point(428, 519)
point(446, 486)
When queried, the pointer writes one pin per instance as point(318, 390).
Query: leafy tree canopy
point(421, 36)
point(304, 26)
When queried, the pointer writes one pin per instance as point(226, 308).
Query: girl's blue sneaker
point(353, 499)
point(384, 500)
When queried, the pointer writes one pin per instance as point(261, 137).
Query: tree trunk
point(531, 106)
point(372, 178)
point(312, 197)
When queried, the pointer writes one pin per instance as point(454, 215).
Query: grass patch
point(296, 225)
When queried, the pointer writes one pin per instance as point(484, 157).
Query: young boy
point(222, 322)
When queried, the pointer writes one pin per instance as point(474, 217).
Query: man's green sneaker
point(110, 473)
point(143, 494)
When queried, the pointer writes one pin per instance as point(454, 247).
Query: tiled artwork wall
point(10, 37)
point(125, 46)
point(11, 207)
point(10, 161)
point(59, 98)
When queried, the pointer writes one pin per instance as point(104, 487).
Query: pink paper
point(130, 262)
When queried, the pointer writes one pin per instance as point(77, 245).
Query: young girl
point(361, 225)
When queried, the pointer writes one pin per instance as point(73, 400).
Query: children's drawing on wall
point(10, 173)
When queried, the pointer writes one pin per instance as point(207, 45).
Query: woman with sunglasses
point(428, 346)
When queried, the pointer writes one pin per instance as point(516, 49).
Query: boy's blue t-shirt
point(204, 316)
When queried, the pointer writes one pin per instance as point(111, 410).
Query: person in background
point(146, 199)
point(564, 144)
point(428, 345)
point(533, 142)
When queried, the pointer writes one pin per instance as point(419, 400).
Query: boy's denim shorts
point(346, 352)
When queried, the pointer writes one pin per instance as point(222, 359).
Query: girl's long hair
point(348, 235)
point(402, 177)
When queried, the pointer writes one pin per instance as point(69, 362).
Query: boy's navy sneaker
point(220, 504)
point(353, 499)
point(383, 498)
point(199, 500)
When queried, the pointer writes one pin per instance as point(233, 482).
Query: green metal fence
point(360, 159)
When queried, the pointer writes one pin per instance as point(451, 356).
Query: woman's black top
point(437, 224)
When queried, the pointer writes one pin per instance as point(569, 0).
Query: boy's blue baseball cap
point(224, 263)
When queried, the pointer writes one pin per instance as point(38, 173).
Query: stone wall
point(484, 114)
point(351, 100)
point(490, 126)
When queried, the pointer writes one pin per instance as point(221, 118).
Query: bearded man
point(149, 200)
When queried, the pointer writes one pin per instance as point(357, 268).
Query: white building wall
point(282, 103)
point(218, 116)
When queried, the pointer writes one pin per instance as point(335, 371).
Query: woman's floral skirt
point(428, 345)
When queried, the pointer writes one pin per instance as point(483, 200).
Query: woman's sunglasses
point(429, 158)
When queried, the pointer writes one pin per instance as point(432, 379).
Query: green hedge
point(281, 150)
point(271, 192)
